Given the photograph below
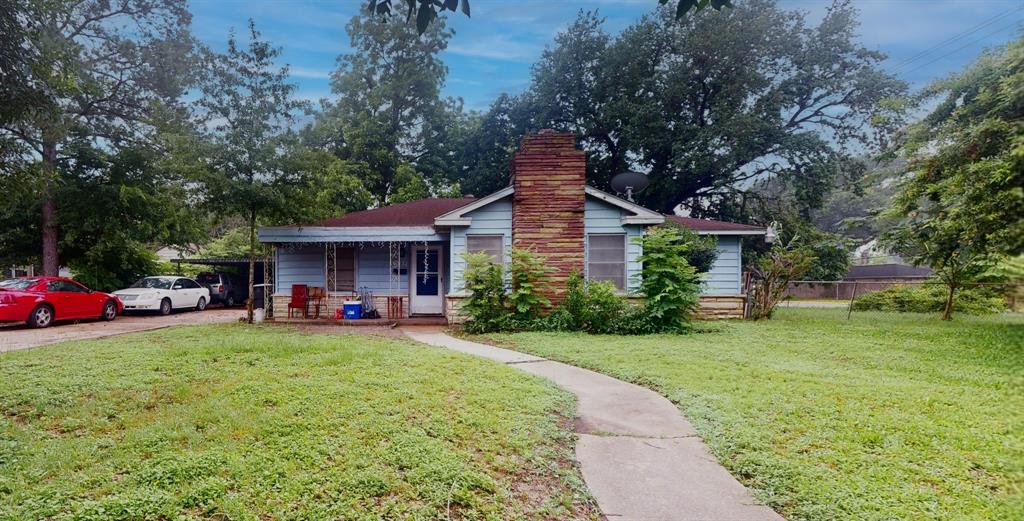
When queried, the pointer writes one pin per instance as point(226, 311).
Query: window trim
point(501, 244)
point(625, 257)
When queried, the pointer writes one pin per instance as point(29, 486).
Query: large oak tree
point(714, 101)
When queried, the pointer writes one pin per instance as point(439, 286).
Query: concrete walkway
point(640, 458)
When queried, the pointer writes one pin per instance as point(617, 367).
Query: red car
point(40, 301)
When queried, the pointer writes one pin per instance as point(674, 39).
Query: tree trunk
point(51, 261)
point(947, 312)
point(252, 266)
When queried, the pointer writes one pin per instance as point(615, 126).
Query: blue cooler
point(353, 310)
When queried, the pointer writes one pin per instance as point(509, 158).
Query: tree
point(116, 63)
point(426, 11)
point(963, 202)
point(709, 103)
point(489, 140)
point(388, 110)
point(247, 108)
point(782, 264)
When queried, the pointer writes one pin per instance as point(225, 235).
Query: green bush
point(671, 287)
point(529, 273)
point(485, 283)
point(670, 284)
point(930, 298)
point(593, 308)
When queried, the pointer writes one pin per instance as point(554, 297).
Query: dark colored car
point(40, 301)
point(226, 288)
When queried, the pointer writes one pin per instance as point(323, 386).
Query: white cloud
point(306, 72)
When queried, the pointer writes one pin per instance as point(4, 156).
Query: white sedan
point(164, 294)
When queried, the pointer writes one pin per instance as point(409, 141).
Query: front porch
point(401, 280)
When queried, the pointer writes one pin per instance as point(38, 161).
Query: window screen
point(606, 259)
point(489, 244)
point(343, 270)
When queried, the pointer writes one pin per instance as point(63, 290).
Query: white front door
point(426, 287)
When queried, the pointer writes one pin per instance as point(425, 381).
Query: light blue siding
point(302, 265)
point(724, 277)
point(603, 218)
point(373, 265)
point(493, 219)
point(373, 269)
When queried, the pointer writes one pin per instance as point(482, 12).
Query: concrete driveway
point(16, 337)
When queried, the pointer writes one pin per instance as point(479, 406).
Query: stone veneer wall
point(721, 306)
point(549, 174)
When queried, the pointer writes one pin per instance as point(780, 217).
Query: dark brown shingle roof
point(709, 225)
point(414, 213)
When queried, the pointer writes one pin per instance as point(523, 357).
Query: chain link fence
point(904, 296)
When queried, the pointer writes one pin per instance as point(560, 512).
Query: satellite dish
point(629, 182)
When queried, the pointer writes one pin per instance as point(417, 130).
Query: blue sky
point(492, 52)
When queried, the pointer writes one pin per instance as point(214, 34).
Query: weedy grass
point(886, 416)
point(235, 422)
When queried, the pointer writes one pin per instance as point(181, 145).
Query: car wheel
point(201, 305)
point(165, 306)
point(109, 311)
point(42, 316)
point(230, 302)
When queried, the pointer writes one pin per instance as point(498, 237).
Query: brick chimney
point(549, 174)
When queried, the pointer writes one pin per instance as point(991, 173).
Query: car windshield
point(208, 278)
point(153, 283)
point(17, 284)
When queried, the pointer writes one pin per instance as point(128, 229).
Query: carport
point(239, 265)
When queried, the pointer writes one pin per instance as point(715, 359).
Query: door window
point(427, 272)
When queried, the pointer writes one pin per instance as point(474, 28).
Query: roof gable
point(636, 214)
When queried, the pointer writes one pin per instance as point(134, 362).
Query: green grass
point(884, 417)
point(230, 422)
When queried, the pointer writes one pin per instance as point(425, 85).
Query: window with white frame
point(492, 245)
point(606, 258)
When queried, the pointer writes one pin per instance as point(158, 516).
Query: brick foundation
point(549, 174)
point(335, 301)
point(715, 307)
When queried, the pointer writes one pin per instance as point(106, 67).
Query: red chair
point(300, 297)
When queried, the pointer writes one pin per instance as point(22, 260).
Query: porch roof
point(376, 234)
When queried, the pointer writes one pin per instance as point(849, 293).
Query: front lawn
point(887, 416)
point(233, 422)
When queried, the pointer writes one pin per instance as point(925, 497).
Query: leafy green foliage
point(824, 418)
point(424, 12)
point(236, 422)
point(660, 94)
point(248, 106)
point(530, 275)
point(90, 74)
point(485, 282)
point(112, 265)
point(964, 201)
point(782, 264)
point(669, 284)
point(594, 307)
point(388, 112)
point(701, 250)
point(930, 298)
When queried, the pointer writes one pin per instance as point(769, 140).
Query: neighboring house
point(413, 252)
